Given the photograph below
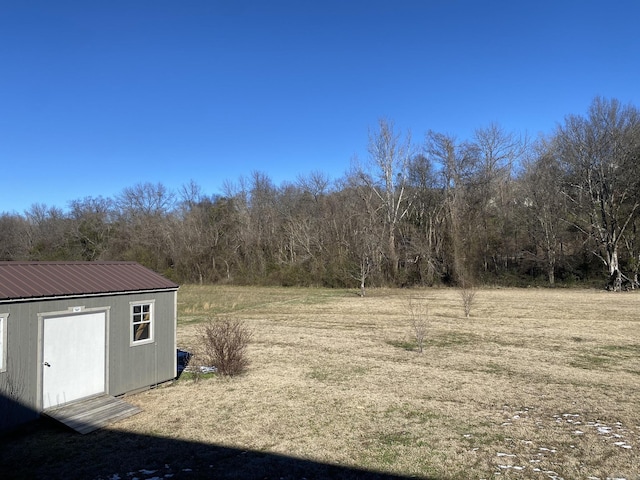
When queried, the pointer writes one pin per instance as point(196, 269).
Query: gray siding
point(128, 367)
point(134, 367)
point(18, 383)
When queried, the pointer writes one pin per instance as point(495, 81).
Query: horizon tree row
point(493, 209)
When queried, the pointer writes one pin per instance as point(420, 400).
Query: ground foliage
point(223, 346)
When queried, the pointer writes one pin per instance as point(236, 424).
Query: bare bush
point(467, 296)
point(225, 345)
point(419, 312)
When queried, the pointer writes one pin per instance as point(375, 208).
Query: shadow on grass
point(47, 450)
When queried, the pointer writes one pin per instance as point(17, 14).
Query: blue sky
point(96, 96)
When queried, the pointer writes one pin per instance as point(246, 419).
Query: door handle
point(46, 364)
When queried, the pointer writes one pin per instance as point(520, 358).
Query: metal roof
point(33, 280)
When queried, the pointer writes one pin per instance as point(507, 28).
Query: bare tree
point(543, 207)
point(467, 297)
point(193, 240)
point(47, 237)
point(146, 200)
point(600, 155)
point(456, 168)
point(419, 313)
point(144, 217)
point(363, 233)
point(92, 226)
point(14, 232)
point(389, 156)
point(316, 183)
point(425, 222)
point(497, 153)
point(190, 194)
point(632, 245)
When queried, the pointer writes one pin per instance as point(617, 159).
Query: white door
point(73, 358)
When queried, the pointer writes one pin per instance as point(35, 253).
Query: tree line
point(497, 208)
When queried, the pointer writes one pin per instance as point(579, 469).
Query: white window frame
point(3, 342)
point(133, 321)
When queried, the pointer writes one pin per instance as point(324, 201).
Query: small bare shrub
point(225, 345)
point(467, 296)
point(419, 322)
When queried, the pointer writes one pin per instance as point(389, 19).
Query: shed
point(75, 330)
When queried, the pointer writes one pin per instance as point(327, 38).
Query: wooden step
point(90, 414)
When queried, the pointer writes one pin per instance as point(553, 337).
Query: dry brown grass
point(546, 380)
point(535, 384)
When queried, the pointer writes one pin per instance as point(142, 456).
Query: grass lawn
point(534, 384)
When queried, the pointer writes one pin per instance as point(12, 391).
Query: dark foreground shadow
point(46, 450)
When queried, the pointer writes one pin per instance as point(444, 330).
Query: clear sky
point(100, 95)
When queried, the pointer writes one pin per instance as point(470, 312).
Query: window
point(3, 343)
point(141, 323)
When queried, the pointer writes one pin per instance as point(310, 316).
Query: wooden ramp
point(93, 413)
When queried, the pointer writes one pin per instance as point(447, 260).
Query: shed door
point(73, 358)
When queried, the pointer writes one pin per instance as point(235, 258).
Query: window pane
point(141, 318)
point(141, 332)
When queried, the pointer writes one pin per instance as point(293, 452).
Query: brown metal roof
point(31, 280)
